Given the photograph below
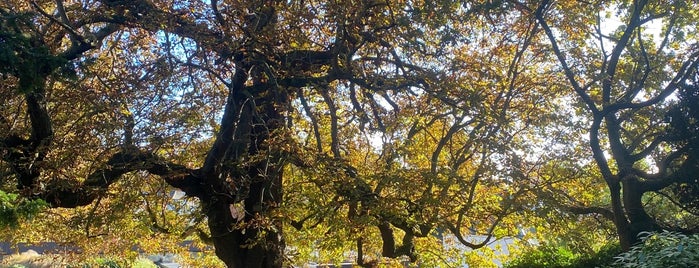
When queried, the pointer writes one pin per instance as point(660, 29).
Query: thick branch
point(648, 150)
point(42, 129)
point(458, 126)
point(63, 22)
point(685, 71)
point(26, 155)
point(604, 212)
point(314, 121)
point(77, 49)
point(332, 109)
point(236, 105)
point(118, 165)
point(619, 48)
point(307, 58)
point(598, 153)
point(688, 169)
point(561, 58)
point(388, 248)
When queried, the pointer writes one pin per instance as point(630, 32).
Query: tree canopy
point(309, 130)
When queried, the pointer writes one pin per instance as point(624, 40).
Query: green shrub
point(96, 262)
point(543, 256)
point(664, 249)
point(14, 208)
point(601, 258)
point(107, 263)
point(548, 256)
point(143, 263)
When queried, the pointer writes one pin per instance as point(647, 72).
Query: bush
point(107, 263)
point(144, 263)
point(543, 256)
point(560, 257)
point(601, 258)
point(14, 208)
point(97, 262)
point(664, 249)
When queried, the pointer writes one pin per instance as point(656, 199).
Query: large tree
point(625, 77)
point(238, 104)
point(378, 127)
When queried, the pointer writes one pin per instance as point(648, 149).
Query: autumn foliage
point(274, 133)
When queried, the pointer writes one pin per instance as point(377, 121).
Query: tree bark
point(244, 178)
point(620, 221)
point(248, 242)
point(639, 220)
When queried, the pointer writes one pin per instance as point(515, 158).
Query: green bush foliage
point(548, 256)
point(601, 258)
point(663, 249)
point(13, 208)
point(543, 256)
